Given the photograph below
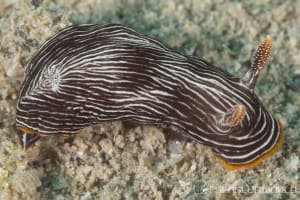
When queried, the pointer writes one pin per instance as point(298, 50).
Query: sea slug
point(86, 74)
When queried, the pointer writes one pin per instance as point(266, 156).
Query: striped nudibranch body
point(86, 74)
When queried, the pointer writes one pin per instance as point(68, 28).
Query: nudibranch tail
point(26, 137)
point(260, 59)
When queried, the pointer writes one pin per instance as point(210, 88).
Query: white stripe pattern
point(86, 74)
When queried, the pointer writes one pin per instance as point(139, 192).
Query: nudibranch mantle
point(86, 74)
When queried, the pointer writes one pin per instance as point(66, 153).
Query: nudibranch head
point(87, 74)
point(255, 162)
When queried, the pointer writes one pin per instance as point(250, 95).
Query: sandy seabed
point(125, 161)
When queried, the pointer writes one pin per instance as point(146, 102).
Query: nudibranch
point(86, 74)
